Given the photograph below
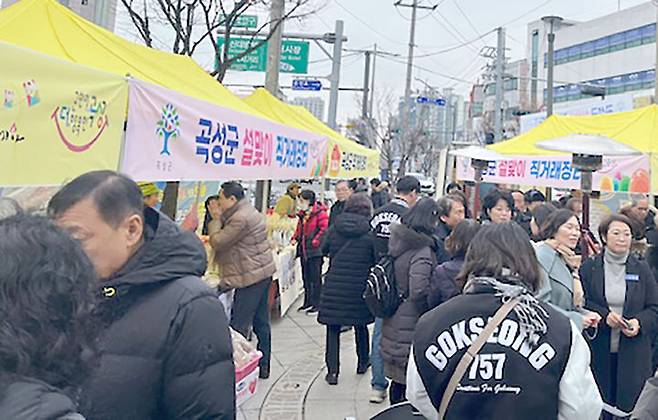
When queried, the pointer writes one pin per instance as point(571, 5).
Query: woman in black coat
point(621, 289)
point(351, 252)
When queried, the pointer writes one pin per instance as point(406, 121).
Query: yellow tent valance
point(48, 27)
point(638, 129)
point(346, 158)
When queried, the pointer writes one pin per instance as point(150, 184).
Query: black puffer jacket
point(166, 349)
point(415, 259)
point(351, 250)
point(34, 400)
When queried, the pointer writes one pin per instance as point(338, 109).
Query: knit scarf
point(531, 315)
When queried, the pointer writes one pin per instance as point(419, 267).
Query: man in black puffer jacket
point(165, 347)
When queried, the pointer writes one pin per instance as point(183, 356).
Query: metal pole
point(272, 85)
point(500, 69)
point(372, 86)
point(366, 87)
point(549, 82)
point(335, 75)
point(274, 48)
point(655, 94)
point(410, 56)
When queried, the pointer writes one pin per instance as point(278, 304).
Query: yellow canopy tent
point(347, 159)
point(48, 27)
point(638, 129)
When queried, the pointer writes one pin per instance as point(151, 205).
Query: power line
point(455, 47)
point(458, 34)
point(367, 25)
point(526, 13)
point(466, 17)
point(430, 71)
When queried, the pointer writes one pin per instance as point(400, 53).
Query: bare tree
point(385, 131)
point(195, 22)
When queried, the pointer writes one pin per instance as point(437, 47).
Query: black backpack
point(381, 294)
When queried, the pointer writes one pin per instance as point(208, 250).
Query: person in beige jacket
point(242, 252)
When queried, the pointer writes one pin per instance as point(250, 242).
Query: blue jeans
point(378, 380)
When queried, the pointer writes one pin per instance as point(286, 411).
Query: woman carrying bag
point(496, 352)
point(622, 290)
point(351, 254)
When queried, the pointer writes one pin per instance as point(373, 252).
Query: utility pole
point(500, 89)
point(552, 22)
point(272, 85)
point(335, 75)
point(366, 86)
point(372, 86)
point(655, 94)
point(410, 61)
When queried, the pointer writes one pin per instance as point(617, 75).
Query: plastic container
point(246, 380)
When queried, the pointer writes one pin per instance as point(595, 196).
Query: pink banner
point(172, 137)
point(620, 174)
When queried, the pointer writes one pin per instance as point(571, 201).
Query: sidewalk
point(296, 389)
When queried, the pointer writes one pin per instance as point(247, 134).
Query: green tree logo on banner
point(168, 127)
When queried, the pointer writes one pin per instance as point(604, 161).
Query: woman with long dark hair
point(534, 364)
point(444, 284)
point(413, 246)
point(47, 330)
point(622, 290)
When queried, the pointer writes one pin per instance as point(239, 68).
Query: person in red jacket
point(312, 224)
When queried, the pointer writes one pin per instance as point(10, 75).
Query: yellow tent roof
point(638, 128)
point(49, 27)
point(300, 117)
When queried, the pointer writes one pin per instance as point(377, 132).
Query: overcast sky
point(453, 23)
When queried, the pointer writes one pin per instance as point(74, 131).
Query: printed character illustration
point(31, 92)
point(9, 98)
point(168, 127)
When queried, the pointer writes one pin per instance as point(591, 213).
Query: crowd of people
point(105, 314)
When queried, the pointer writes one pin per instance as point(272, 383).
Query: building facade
point(101, 12)
point(315, 105)
point(616, 51)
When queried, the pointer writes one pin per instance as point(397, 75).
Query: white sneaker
point(377, 396)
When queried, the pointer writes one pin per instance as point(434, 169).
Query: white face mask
point(303, 206)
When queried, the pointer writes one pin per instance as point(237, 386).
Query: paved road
point(296, 388)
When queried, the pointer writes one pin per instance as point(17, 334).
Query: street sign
point(304, 84)
point(244, 21)
point(435, 101)
point(294, 55)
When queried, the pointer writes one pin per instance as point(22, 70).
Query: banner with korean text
point(618, 174)
point(174, 137)
point(57, 119)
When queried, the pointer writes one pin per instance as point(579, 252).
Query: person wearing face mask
point(622, 290)
point(311, 227)
point(559, 265)
point(497, 207)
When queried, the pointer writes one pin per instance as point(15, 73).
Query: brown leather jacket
point(242, 251)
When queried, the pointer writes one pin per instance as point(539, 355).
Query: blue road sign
point(422, 100)
point(439, 102)
point(304, 84)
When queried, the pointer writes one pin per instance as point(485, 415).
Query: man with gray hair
point(451, 212)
